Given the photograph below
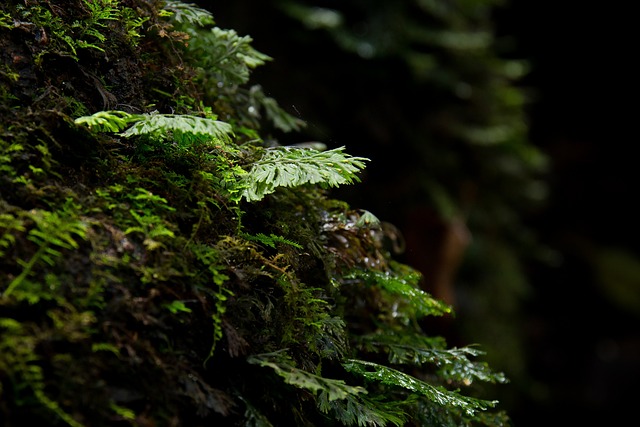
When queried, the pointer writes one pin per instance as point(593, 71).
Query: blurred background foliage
point(483, 141)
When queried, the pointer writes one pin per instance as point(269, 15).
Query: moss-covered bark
point(162, 266)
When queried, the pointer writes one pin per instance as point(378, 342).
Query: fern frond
point(362, 411)
point(105, 10)
point(9, 224)
point(402, 345)
point(437, 394)
point(107, 121)
point(161, 126)
point(189, 13)
point(270, 240)
point(181, 128)
point(333, 343)
point(225, 55)
point(460, 368)
point(280, 118)
point(418, 349)
point(52, 233)
point(283, 366)
point(406, 286)
point(293, 167)
point(253, 417)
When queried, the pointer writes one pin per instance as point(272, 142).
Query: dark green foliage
point(161, 265)
point(389, 376)
point(439, 102)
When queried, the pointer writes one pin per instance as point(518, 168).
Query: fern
point(162, 126)
point(224, 55)
point(282, 364)
point(270, 240)
point(107, 121)
point(100, 11)
point(278, 167)
point(209, 258)
point(406, 286)
point(188, 13)
point(159, 126)
point(52, 232)
point(362, 411)
point(405, 347)
point(333, 341)
point(253, 417)
point(9, 223)
point(292, 167)
point(6, 21)
point(224, 61)
point(458, 367)
point(280, 118)
point(22, 362)
point(389, 376)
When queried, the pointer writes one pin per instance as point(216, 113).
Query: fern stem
point(25, 272)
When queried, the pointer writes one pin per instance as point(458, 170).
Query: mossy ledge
point(163, 265)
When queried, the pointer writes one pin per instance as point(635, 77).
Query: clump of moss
point(160, 265)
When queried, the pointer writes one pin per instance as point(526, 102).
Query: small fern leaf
point(106, 121)
point(437, 394)
point(361, 411)
point(271, 240)
point(405, 285)
point(161, 126)
point(280, 118)
point(224, 55)
point(283, 366)
point(294, 166)
point(189, 13)
point(406, 347)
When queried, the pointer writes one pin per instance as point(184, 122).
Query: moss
point(139, 287)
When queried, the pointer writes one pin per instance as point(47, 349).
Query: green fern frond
point(52, 233)
point(280, 118)
point(362, 411)
point(417, 349)
point(403, 346)
point(437, 394)
point(293, 167)
point(270, 240)
point(283, 366)
point(460, 368)
point(188, 13)
point(333, 342)
point(8, 225)
point(102, 10)
point(406, 286)
point(107, 121)
point(209, 258)
point(225, 55)
point(253, 417)
point(160, 126)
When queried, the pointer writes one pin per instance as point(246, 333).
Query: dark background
point(582, 339)
point(585, 344)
